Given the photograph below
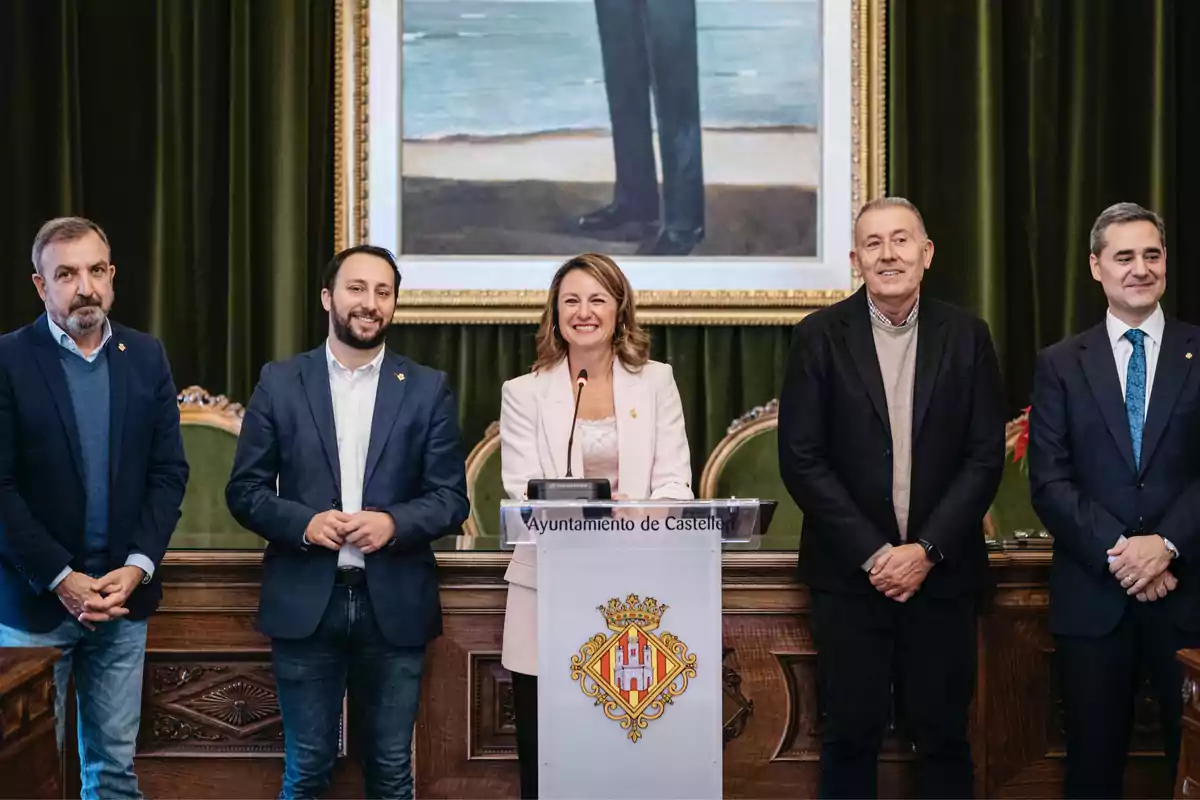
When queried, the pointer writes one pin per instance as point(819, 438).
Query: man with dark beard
point(349, 465)
point(92, 476)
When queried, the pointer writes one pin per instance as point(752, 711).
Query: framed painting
point(717, 149)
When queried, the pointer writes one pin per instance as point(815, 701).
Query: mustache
point(86, 302)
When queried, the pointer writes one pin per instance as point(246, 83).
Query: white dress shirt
point(64, 340)
point(353, 408)
point(1153, 327)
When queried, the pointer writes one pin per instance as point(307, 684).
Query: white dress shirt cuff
point(1114, 558)
point(59, 578)
point(146, 565)
point(870, 562)
point(1171, 546)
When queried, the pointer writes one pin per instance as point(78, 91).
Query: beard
point(86, 314)
point(345, 333)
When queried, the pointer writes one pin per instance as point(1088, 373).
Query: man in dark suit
point(650, 48)
point(349, 465)
point(891, 441)
point(92, 476)
point(1114, 468)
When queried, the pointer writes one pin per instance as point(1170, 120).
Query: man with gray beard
point(92, 476)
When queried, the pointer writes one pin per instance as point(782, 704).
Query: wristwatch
point(931, 551)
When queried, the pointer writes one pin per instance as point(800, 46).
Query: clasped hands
point(1140, 565)
point(899, 571)
point(367, 530)
point(91, 600)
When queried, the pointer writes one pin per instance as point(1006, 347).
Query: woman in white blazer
point(630, 430)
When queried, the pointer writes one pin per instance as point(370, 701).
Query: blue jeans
point(347, 654)
point(107, 666)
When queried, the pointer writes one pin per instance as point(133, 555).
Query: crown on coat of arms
point(646, 613)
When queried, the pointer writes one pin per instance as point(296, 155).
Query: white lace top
point(598, 443)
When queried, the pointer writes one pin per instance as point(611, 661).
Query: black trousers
point(525, 709)
point(650, 45)
point(1099, 677)
point(925, 648)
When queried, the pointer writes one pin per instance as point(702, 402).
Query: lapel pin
point(1187, 355)
point(121, 347)
point(633, 413)
point(399, 376)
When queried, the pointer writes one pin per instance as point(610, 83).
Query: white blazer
point(535, 424)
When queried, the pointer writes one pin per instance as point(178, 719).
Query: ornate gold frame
point(768, 307)
point(198, 407)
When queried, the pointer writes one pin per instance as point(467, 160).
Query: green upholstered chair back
point(209, 426)
point(485, 488)
point(1012, 510)
point(746, 464)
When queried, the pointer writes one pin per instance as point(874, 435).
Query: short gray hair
point(64, 229)
point(890, 202)
point(1120, 214)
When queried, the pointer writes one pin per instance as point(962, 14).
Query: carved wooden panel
point(1021, 718)
point(493, 723)
point(219, 705)
point(802, 738)
point(29, 763)
point(737, 709)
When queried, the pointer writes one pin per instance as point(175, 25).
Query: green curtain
point(722, 372)
point(199, 134)
point(1014, 124)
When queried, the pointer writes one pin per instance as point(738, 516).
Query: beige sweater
point(897, 351)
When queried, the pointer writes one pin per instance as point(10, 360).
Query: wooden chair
point(209, 426)
point(746, 464)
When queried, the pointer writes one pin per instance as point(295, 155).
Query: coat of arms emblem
point(633, 673)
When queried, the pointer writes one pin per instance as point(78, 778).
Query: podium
point(629, 641)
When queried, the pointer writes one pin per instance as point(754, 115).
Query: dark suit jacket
point(414, 472)
point(1085, 487)
point(835, 445)
point(42, 496)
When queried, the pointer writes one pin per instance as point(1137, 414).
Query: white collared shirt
point(1122, 348)
point(353, 408)
point(883, 318)
point(65, 341)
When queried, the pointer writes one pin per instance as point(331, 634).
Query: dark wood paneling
point(29, 765)
point(211, 724)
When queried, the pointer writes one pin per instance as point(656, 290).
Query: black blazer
point(42, 496)
point(1085, 487)
point(414, 472)
point(835, 445)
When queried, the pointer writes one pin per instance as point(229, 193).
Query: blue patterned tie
point(1135, 392)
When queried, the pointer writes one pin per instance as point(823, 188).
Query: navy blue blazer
point(42, 496)
point(1084, 484)
point(414, 473)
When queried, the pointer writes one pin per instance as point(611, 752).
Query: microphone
point(580, 382)
point(569, 487)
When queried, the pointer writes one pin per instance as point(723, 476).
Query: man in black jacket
point(891, 441)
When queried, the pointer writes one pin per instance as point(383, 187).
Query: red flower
point(1022, 441)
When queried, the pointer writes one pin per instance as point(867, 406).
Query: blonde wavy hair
point(631, 343)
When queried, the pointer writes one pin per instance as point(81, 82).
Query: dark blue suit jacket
point(1085, 486)
point(42, 497)
point(414, 472)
